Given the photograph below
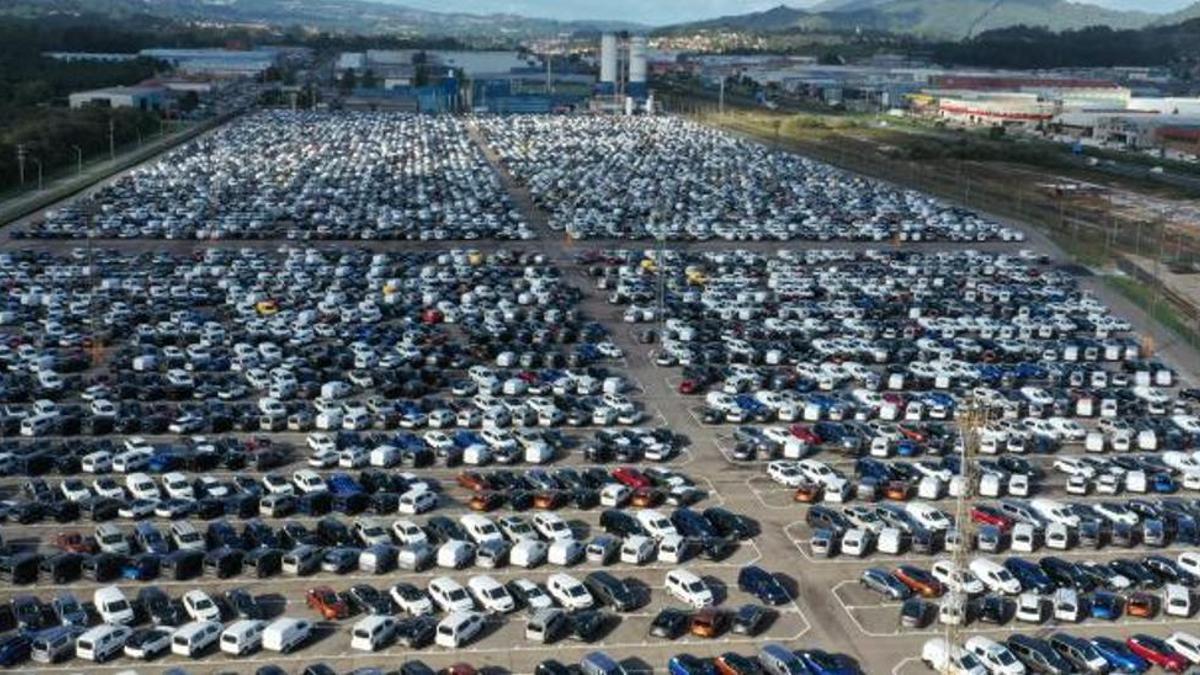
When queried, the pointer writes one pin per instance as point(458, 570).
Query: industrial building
point(219, 62)
point(142, 98)
point(623, 75)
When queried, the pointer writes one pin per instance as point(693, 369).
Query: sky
point(660, 12)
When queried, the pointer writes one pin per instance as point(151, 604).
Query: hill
point(357, 16)
point(929, 18)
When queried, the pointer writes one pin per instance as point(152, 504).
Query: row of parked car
point(651, 177)
point(1062, 654)
point(306, 175)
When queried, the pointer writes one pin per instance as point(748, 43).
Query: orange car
point(548, 500)
point(732, 663)
point(485, 501)
point(328, 603)
point(898, 490)
point(709, 622)
point(807, 493)
point(472, 480)
point(919, 581)
point(75, 542)
point(1141, 604)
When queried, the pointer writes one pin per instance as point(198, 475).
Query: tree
point(189, 101)
point(348, 81)
point(368, 79)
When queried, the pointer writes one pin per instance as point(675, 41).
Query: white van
point(39, 425)
point(942, 657)
point(285, 634)
point(455, 554)
point(1066, 605)
point(637, 550)
point(449, 595)
point(655, 524)
point(192, 639)
point(688, 588)
point(96, 462)
point(674, 549)
point(385, 456)
point(565, 552)
point(186, 536)
point(112, 605)
point(373, 633)
point(528, 553)
point(995, 576)
point(1178, 601)
point(928, 516)
point(242, 637)
point(545, 625)
point(102, 643)
point(458, 629)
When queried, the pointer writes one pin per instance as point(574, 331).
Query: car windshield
point(118, 606)
point(576, 591)
point(457, 594)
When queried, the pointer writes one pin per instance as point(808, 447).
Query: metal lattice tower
point(971, 418)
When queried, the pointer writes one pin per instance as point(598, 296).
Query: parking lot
point(243, 352)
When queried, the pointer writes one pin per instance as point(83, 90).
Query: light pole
point(78, 159)
point(37, 161)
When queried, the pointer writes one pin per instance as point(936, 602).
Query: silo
point(637, 66)
point(608, 60)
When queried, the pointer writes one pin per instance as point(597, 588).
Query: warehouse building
point(142, 98)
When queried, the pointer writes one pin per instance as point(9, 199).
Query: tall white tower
point(608, 59)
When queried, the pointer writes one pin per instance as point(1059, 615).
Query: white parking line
point(749, 486)
point(904, 662)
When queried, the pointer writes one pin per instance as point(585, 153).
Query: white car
point(994, 656)
point(407, 532)
point(785, 473)
point(942, 657)
point(450, 596)
point(1115, 513)
point(177, 486)
point(319, 442)
point(491, 595)
point(1075, 466)
point(688, 588)
point(323, 459)
point(74, 490)
point(534, 597)
point(411, 599)
point(200, 606)
point(141, 486)
point(956, 580)
point(552, 527)
point(569, 592)
point(308, 481)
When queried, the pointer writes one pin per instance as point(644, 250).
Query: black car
point(441, 529)
point(993, 609)
point(730, 524)
point(243, 604)
point(611, 591)
point(1138, 574)
point(157, 606)
point(1168, 570)
point(367, 599)
point(620, 523)
point(750, 619)
point(588, 625)
point(416, 632)
point(670, 623)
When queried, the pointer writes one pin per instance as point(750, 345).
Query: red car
point(472, 480)
point(75, 542)
point(631, 478)
point(689, 387)
point(990, 515)
point(805, 434)
point(328, 603)
point(918, 581)
point(913, 433)
point(1157, 652)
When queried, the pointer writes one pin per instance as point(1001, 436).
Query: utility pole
point(21, 154)
point(37, 161)
point(112, 139)
point(971, 420)
point(78, 159)
point(721, 97)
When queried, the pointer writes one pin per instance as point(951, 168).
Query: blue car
point(824, 663)
point(1162, 483)
point(14, 649)
point(1031, 576)
point(762, 585)
point(1118, 656)
point(1106, 606)
point(141, 568)
point(686, 664)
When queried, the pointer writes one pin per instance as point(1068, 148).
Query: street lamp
point(37, 161)
point(78, 159)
